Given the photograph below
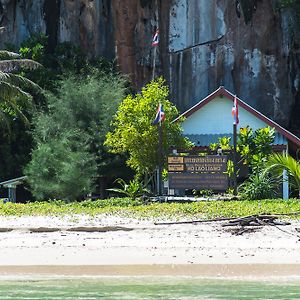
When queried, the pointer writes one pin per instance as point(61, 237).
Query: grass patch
point(135, 208)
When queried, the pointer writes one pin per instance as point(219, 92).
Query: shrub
point(258, 186)
point(69, 152)
point(61, 169)
point(133, 189)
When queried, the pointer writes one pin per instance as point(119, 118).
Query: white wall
point(215, 118)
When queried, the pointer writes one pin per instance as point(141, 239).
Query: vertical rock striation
point(213, 43)
point(135, 22)
point(248, 46)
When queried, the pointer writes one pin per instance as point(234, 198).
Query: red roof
point(221, 91)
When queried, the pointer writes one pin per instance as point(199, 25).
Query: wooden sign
point(206, 164)
point(175, 160)
point(198, 172)
point(217, 182)
point(175, 168)
point(198, 164)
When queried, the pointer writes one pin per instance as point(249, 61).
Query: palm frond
point(13, 65)
point(4, 54)
point(18, 112)
point(4, 76)
point(8, 92)
point(278, 162)
point(4, 121)
point(21, 81)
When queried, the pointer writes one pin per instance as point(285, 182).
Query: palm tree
point(12, 85)
point(279, 162)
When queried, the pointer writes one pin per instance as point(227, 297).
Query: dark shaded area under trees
point(64, 59)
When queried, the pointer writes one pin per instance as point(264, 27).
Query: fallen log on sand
point(252, 220)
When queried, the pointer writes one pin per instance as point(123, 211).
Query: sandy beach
point(108, 245)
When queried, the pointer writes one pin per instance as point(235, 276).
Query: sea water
point(121, 288)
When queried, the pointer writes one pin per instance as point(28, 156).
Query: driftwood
point(256, 220)
point(193, 221)
point(252, 220)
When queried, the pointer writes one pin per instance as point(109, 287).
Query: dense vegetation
point(133, 133)
point(69, 155)
point(84, 128)
point(68, 122)
point(16, 142)
point(127, 207)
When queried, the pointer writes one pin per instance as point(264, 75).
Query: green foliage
point(230, 168)
point(69, 137)
point(61, 168)
point(111, 202)
point(258, 186)
point(15, 144)
point(255, 147)
point(34, 47)
point(286, 3)
point(202, 193)
point(214, 146)
point(278, 162)
point(133, 189)
point(13, 94)
point(65, 59)
point(293, 5)
point(133, 133)
point(127, 207)
point(223, 143)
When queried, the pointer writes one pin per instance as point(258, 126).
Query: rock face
point(250, 47)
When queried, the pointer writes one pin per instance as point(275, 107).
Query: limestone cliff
point(250, 47)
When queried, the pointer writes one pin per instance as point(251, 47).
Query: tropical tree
point(278, 162)
point(133, 133)
point(69, 155)
point(12, 86)
point(255, 147)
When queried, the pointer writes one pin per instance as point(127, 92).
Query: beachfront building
point(211, 118)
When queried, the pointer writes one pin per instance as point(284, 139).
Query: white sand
point(145, 244)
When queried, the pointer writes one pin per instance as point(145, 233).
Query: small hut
point(12, 187)
point(211, 118)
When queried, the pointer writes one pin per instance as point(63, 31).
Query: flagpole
point(234, 159)
point(160, 162)
point(159, 118)
point(235, 113)
point(154, 62)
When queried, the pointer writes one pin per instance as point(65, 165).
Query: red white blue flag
point(160, 115)
point(155, 39)
point(235, 111)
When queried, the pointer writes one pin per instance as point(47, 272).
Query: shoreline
point(255, 272)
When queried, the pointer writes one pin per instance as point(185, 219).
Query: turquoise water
point(146, 288)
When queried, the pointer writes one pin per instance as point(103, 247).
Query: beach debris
point(242, 230)
point(256, 220)
point(247, 224)
point(193, 221)
point(64, 229)
point(99, 229)
point(252, 220)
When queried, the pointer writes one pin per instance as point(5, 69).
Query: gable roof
point(220, 92)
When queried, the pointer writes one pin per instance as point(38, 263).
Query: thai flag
point(235, 111)
point(155, 39)
point(160, 115)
